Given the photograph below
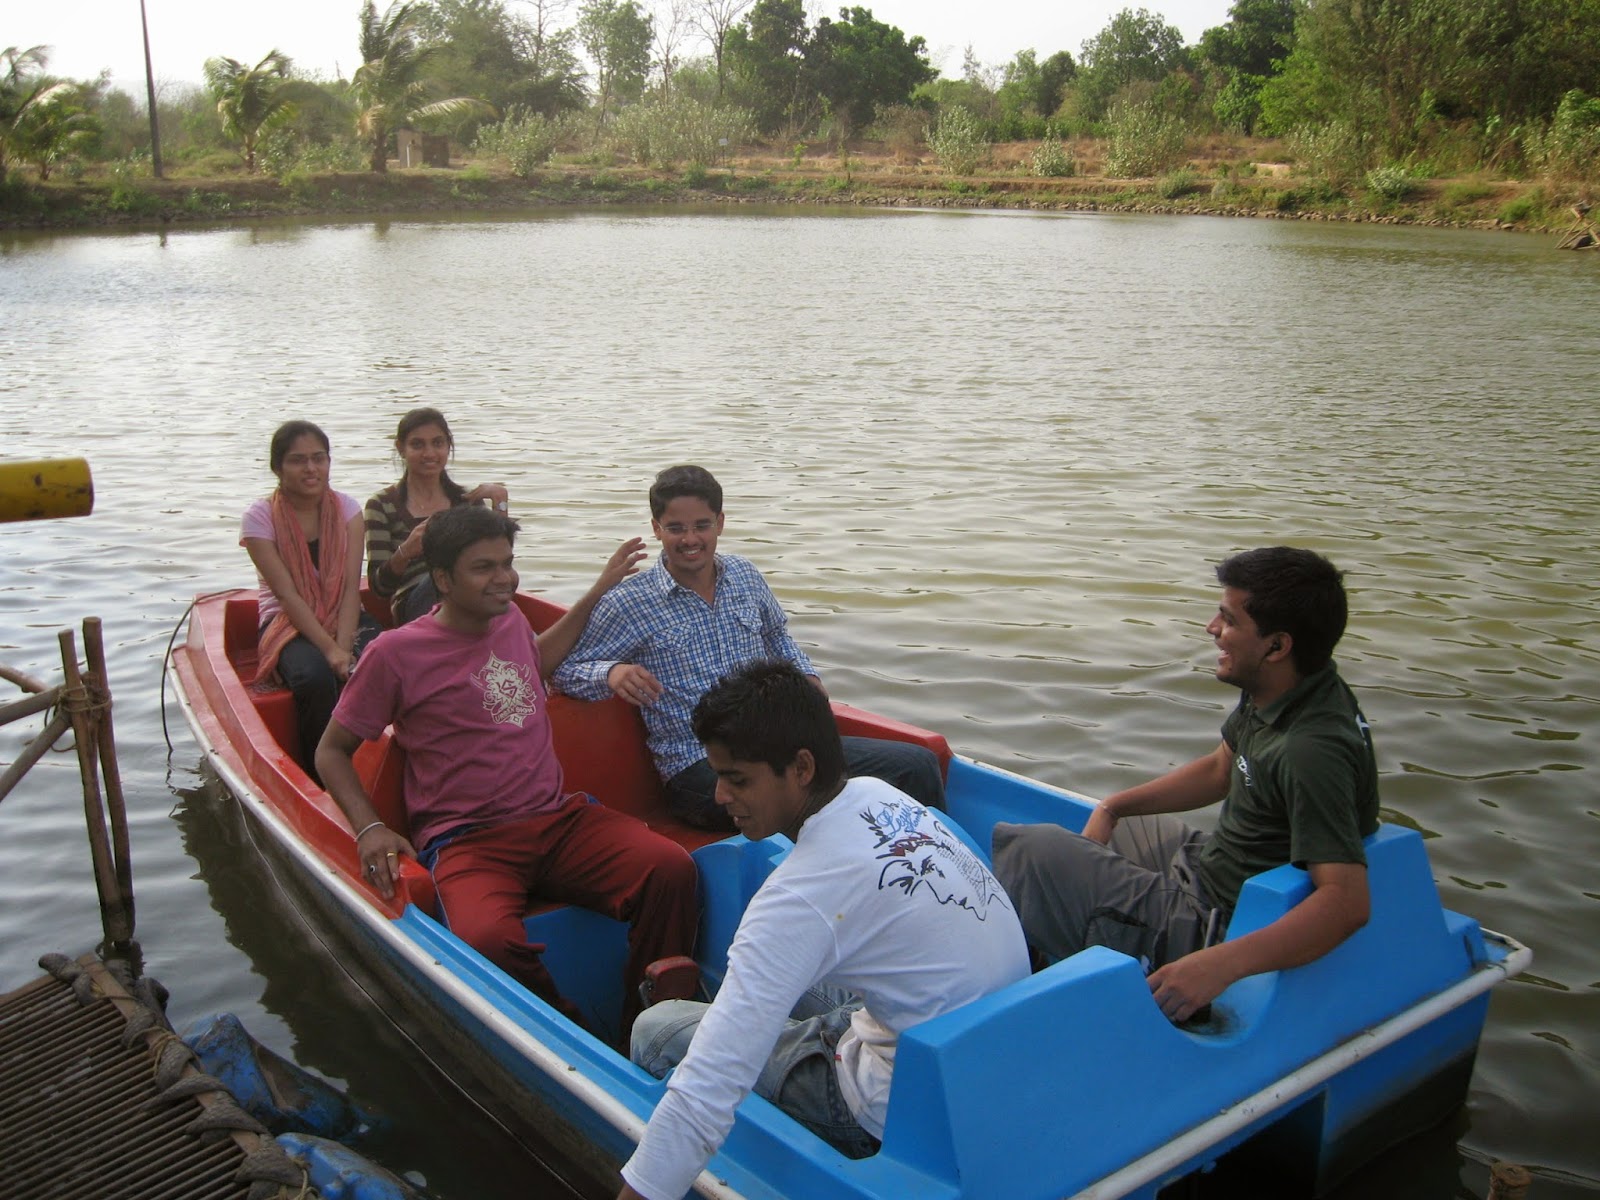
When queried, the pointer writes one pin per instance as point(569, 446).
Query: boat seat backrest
point(381, 767)
point(1263, 1027)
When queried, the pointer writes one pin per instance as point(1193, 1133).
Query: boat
point(1067, 1083)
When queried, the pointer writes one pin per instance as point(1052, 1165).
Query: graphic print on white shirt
point(938, 861)
point(509, 694)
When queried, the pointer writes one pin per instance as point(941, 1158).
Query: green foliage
point(1570, 145)
point(1238, 105)
point(676, 128)
point(1142, 141)
point(1527, 207)
point(1135, 45)
point(482, 48)
point(394, 86)
point(284, 153)
point(695, 176)
point(253, 101)
point(798, 157)
point(1459, 195)
point(957, 140)
point(617, 35)
point(1392, 182)
point(41, 120)
point(126, 196)
point(1178, 183)
point(859, 64)
point(1031, 88)
point(900, 126)
point(526, 140)
point(1334, 151)
point(1258, 36)
point(1052, 160)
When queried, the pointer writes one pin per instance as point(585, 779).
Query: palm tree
point(253, 101)
point(391, 86)
point(24, 92)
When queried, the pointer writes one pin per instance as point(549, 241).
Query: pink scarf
point(323, 591)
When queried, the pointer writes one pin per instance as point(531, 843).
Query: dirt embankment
point(1215, 186)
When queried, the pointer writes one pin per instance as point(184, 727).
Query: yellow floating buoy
point(47, 487)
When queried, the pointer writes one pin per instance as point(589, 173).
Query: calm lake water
point(987, 462)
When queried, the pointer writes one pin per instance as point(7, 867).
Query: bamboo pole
point(32, 753)
point(23, 680)
point(94, 649)
point(38, 702)
point(80, 709)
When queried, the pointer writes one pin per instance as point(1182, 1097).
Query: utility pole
point(150, 95)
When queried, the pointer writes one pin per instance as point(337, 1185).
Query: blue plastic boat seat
point(1124, 1080)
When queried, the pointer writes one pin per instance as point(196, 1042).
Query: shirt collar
point(1310, 685)
point(662, 578)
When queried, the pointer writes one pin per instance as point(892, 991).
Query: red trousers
point(581, 853)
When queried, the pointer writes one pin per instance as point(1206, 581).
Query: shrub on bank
point(1051, 160)
point(525, 139)
point(1178, 183)
point(957, 141)
point(1392, 183)
point(1142, 141)
point(679, 130)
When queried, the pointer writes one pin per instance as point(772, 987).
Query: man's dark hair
point(686, 480)
point(1292, 591)
point(450, 532)
point(767, 712)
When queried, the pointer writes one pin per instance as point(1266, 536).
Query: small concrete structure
point(415, 149)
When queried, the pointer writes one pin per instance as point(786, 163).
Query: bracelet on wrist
point(366, 829)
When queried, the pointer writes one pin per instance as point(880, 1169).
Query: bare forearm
point(1193, 785)
point(337, 767)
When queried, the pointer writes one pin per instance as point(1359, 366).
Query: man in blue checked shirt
point(662, 638)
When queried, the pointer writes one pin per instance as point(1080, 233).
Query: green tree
point(617, 34)
point(253, 101)
point(52, 127)
point(716, 19)
point(393, 85)
point(1136, 45)
point(1257, 38)
point(481, 48)
point(766, 58)
point(24, 87)
point(860, 63)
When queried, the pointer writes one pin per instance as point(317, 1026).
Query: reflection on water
point(985, 461)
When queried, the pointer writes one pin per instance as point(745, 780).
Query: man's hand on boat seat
point(1188, 984)
point(634, 683)
point(380, 849)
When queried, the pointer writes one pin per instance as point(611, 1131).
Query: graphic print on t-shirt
point(933, 859)
point(509, 694)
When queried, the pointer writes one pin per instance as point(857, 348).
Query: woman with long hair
point(305, 542)
point(396, 516)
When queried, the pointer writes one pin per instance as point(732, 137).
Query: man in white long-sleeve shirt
point(878, 902)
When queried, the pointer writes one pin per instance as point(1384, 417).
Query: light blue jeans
point(799, 1076)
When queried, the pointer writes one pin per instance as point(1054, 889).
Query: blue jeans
point(799, 1076)
point(911, 768)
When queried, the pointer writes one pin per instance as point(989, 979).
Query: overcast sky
point(86, 36)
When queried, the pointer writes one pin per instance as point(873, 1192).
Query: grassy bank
point(1218, 185)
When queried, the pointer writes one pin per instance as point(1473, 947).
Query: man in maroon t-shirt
point(464, 689)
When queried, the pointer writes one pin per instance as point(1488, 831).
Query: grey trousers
point(1140, 895)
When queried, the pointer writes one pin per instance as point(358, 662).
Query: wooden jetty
point(99, 1098)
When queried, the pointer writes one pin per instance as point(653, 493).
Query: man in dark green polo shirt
point(1296, 772)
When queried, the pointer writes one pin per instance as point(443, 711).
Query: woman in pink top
point(305, 540)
